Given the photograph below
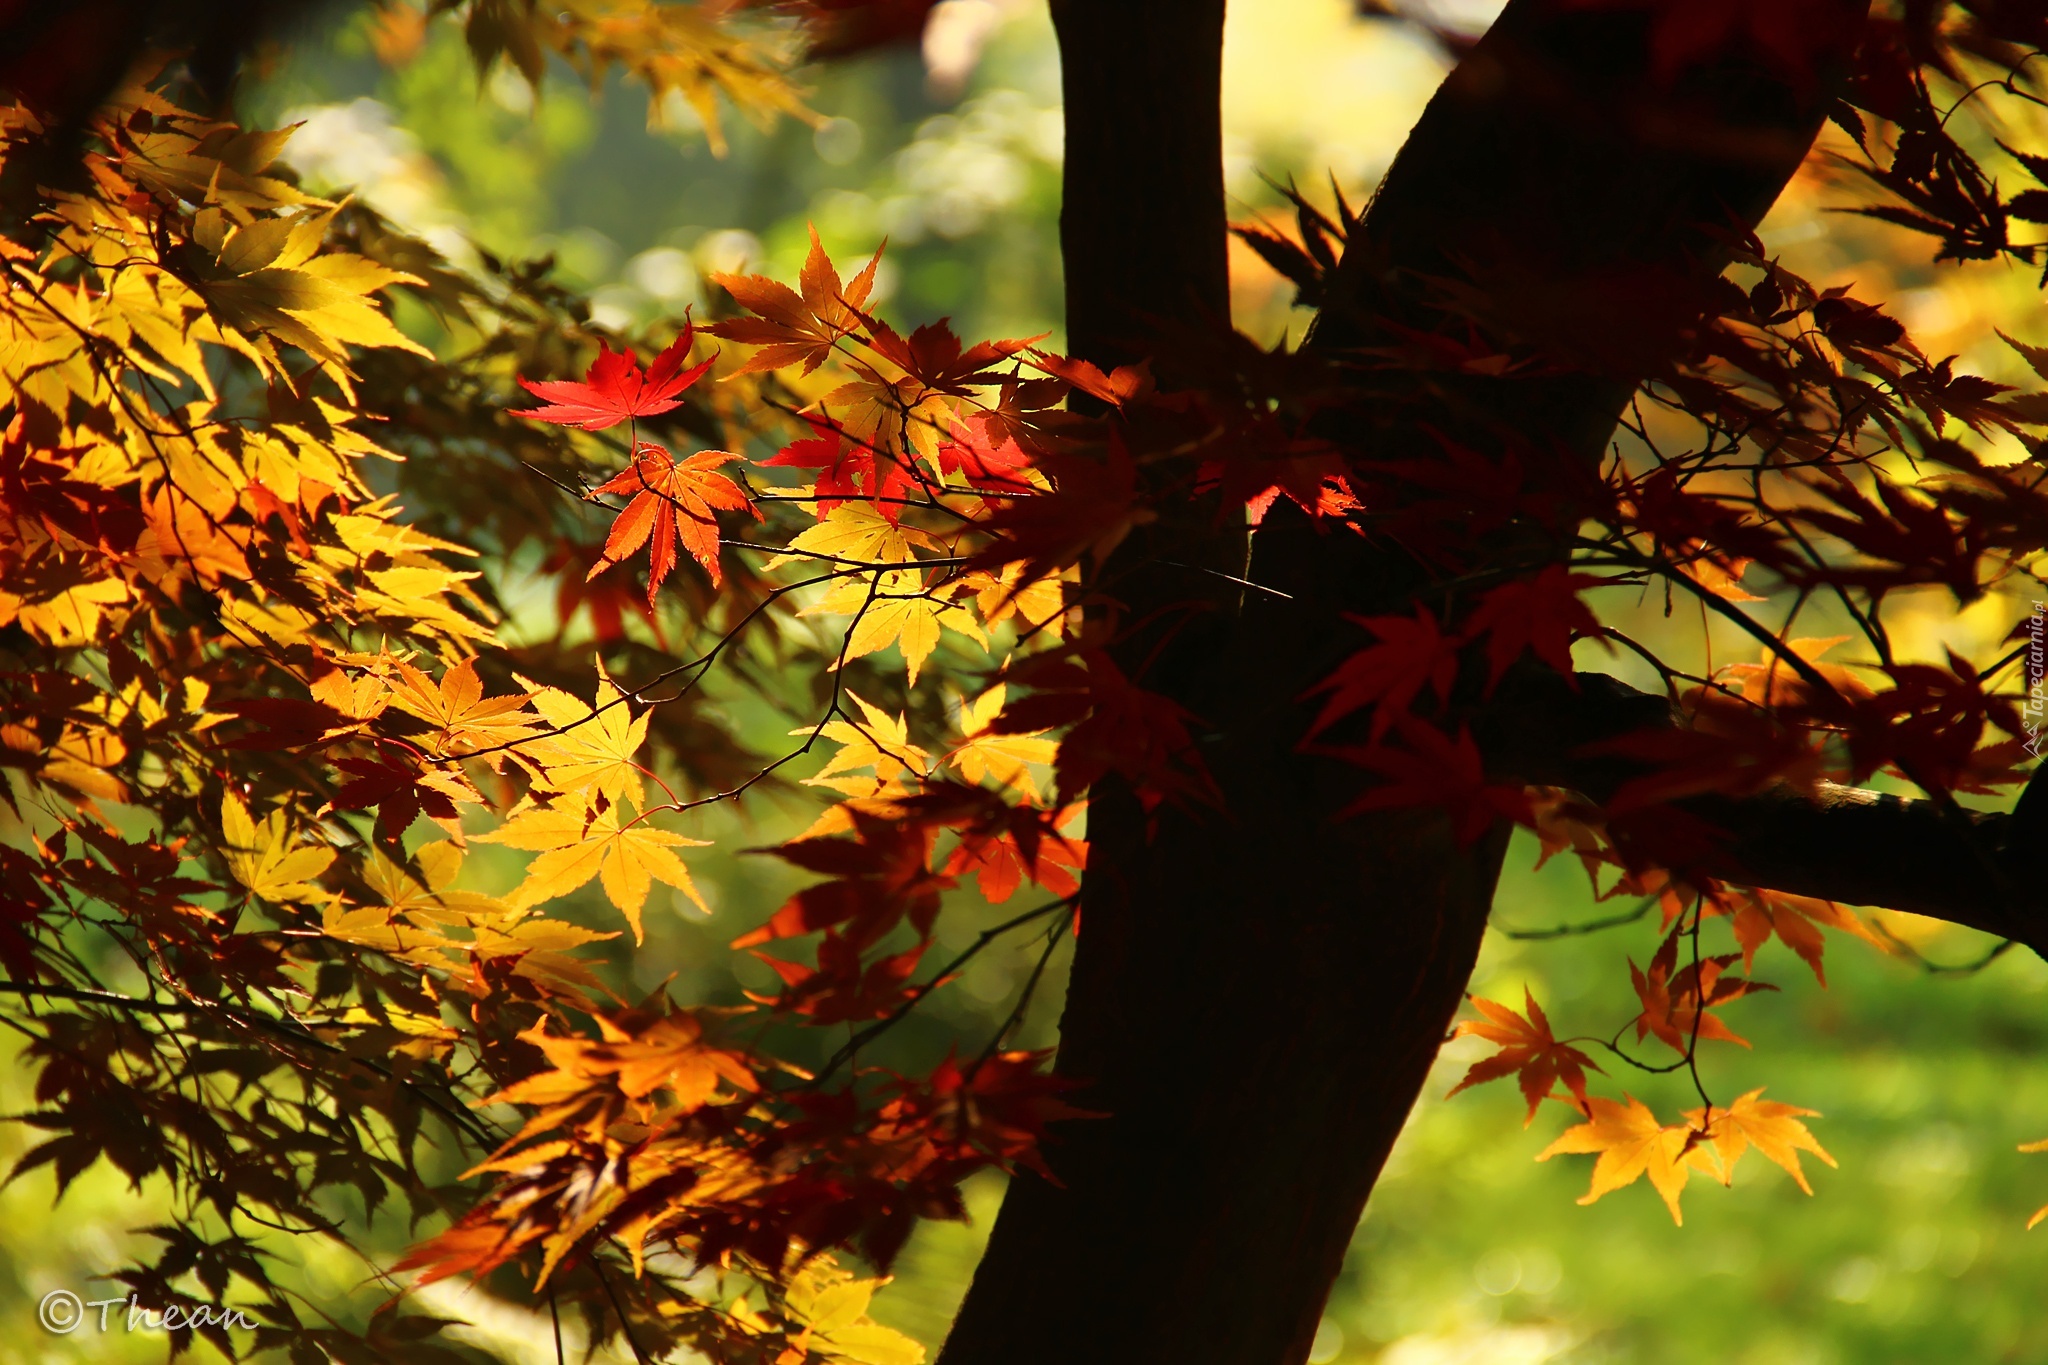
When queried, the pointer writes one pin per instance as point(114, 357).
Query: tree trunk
point(1257, 995)
point(1142, 226)
point(1255, 1003)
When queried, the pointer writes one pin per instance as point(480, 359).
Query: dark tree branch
point(1836, 843)
point(1628, 170)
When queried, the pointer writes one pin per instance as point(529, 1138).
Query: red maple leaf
point(998, 1107)
point(1002, 860)
point(986, 457)
point(849, 470)
point(615, 389)
point(841, 28)
point(608, 602)
point(1528, 1049)
point(1542, 613)
point(934, 357)
point(1119, 727)
point(674, 503)
point(1331, 498)
point(880, 877)
point(24, 899)
point(1411, 653)
point(1929, 724)
point(402, 788)
point(282, 722)
point(1122, 385)
point(841, 988)
point(1436, 770)
point(1095, 501)
point(1001, 844)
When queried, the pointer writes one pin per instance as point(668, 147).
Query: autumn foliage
point(256, 714)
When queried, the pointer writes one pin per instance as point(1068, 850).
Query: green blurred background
point(1471, 1253)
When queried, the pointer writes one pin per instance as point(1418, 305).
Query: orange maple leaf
point(2042, 1212)
point(463, 717)
point(1767, 1125)
point(1527, 1048)
point(1719, 573)
point(1120, 386)
point(1631, 1144)
point(791, 328)
point(472, 1248)
point(670, 1053)
point(1676, 1001)
point(1797, 921)
point(674, 502)
point(1771, 682)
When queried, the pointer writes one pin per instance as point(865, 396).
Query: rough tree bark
point(1257, 997)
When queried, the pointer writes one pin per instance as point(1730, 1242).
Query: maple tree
point(1196, 640)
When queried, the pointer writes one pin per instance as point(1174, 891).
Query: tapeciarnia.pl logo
point(2037, 676)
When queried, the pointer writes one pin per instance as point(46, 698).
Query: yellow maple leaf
point(1630, 1143)
point(1772, 1128)
point(202, 161)
point(545, 949)
point(626, 855)
point(430, 897)
point(831, 1308)
point(270, 279)
point(882, 744)
point(891, 414)
point(370, 532)
point(890, 606)
point(593, 746)
point(262, 858)
point(457, 708)
point(375, 926)
point(423, 1036)
point(1038, 606)
point(897, 610)
point(1007, 758)
point(856, 534)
